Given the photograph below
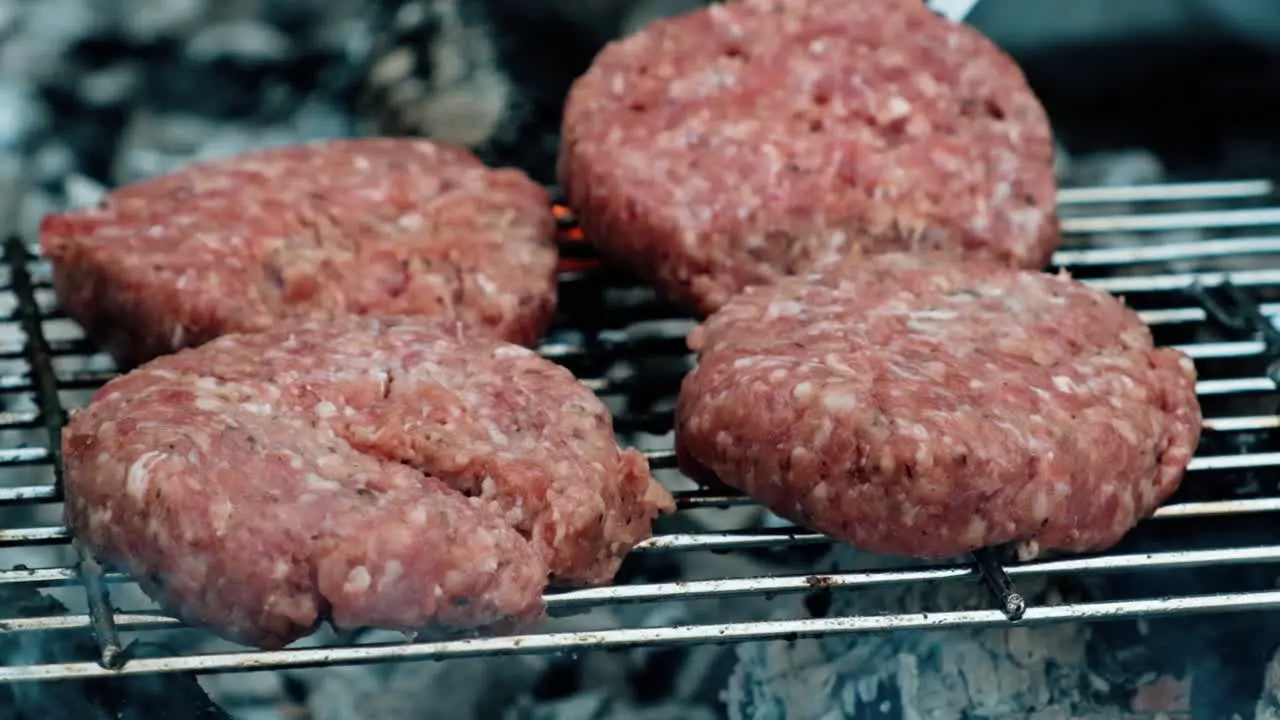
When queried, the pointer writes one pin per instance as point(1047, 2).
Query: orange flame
point(570, 234)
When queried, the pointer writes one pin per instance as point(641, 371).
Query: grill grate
point(1175, 251)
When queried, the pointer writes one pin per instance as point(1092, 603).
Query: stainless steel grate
point(1168, 248)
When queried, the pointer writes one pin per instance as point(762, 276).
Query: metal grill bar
point(701, 589)
point(1182, 316)
point(1182, 281)
point(36, 455)
point(701, 499)
point(1164, 222)
point(1103, 257)
point(725, 541)
point(1166, 192)
point(54, 417)
point(708, 589)
point(641, 637)
point(1160, 296)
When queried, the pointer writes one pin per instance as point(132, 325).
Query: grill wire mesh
point(1195, 259)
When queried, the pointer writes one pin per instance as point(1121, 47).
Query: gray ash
point(286, 75)
point(1054, 671)
point(124, 698)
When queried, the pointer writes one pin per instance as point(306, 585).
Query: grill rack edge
point(42, 381)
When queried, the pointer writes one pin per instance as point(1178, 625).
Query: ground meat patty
point(922, 409)
point(378, 472)
point(742, 143)
point(370, 227)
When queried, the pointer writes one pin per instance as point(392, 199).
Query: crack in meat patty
point(380, 473)
point(376, 227)
point(915, 407)
point(748, 141)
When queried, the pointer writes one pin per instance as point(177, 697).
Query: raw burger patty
point(742, 143)
point(381, 473)
point(373, 227)
point(927, 410)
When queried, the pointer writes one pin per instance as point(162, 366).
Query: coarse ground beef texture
point(745, 142)
point(380, 473)
point(375, 227)
point(915, 407)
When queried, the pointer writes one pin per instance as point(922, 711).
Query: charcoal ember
point(37, 35)
point(128, 698)
point(26, 203)
point(1224, 657)
point(691, 675)
point(10, 11)
point(1116, 169)
point(479, 73)
point(150, 145)
point(110, 86)
point(50, 163)
point(218, 84)
point(643, 12)
point(81, 191)
point(695, 674)
point(315, 121)
point(1040, 671)
point(600, 706)
point(298, 16)
point(239, 40)
point(237, 67)
point(150, 20)
point(22, 114)
point(155, 143)
point(1164, 695)
point(435, 72)
point(458, 689)
point(234, 75)
point(1268, 705)
point(33, 206)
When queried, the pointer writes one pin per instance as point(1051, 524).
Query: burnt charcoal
point(642, 568)
point(151, 698)
point(818, 603)
point(1061, 670)
point(149, 19)
point(458, 689)
point(91, 132)
point(221, 88)
point(518, 56)
point(126, 698)
point(1226, 680)
point(600, 706)
point(1268, 705)
point(561, 679)
point(1123, 654)
point(22, 115)
point(542, 55)
point(657, 674)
